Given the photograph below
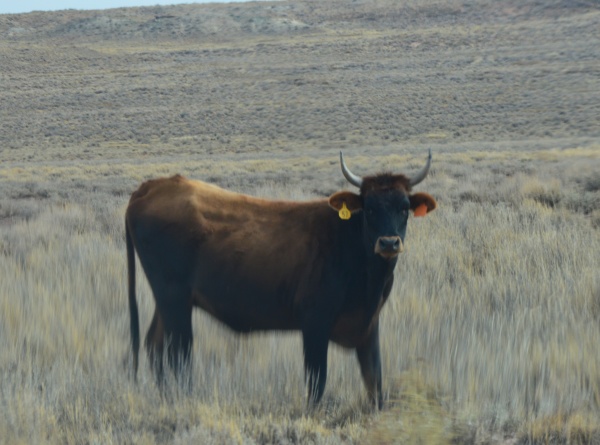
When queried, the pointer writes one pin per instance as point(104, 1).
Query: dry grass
point(491, 331)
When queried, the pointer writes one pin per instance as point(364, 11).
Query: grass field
point(492, 331)
point(492, 328)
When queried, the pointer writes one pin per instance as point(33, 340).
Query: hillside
point(276, 76)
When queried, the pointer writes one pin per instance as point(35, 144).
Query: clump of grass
point(546, 193)
point(562, 428)
point(417, 415)
point(595, 219)
point(591, 182)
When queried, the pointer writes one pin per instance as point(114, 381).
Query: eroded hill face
point(226, 21)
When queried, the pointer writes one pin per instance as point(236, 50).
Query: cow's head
point(384, 203)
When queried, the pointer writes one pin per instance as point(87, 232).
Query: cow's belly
point(246, 312)
point(350, 330)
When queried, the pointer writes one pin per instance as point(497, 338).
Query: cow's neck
point(379, 279)
point(379, 274)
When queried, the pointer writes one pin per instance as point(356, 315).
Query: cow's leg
point(369, 359)
point(316, 342)
point(179, 336)
point(155, 342)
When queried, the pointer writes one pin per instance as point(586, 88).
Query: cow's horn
point(351, 177)
point(423, 173)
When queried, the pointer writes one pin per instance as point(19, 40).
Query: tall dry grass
point(492, 329)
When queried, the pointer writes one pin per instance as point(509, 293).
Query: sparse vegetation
point(492, 331)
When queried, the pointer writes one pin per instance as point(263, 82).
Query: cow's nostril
point(389, 245)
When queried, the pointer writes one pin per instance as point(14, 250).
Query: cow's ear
point(422, 203)
point(349, 200)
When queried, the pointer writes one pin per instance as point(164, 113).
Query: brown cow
point(323, 267)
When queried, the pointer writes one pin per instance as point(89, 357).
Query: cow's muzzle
point(389, 246)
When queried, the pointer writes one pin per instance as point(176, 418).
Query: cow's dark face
point(383, 204)
point(385, 215)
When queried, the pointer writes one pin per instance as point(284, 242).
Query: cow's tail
point(133, 309)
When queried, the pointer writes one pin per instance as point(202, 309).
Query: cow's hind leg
point(369, 359)
point(155, 343)
point(179, 338)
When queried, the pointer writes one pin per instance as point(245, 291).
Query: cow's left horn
point(423, 173)
point(351, 177)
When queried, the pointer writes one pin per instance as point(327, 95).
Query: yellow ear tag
point(344, 212)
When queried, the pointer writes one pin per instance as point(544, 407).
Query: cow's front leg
point(316, 343)
point(369, 359)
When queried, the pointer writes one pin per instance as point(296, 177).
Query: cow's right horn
point(351, 177)
point(423, 173)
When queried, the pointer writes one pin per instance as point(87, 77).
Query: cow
point(322, 267)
